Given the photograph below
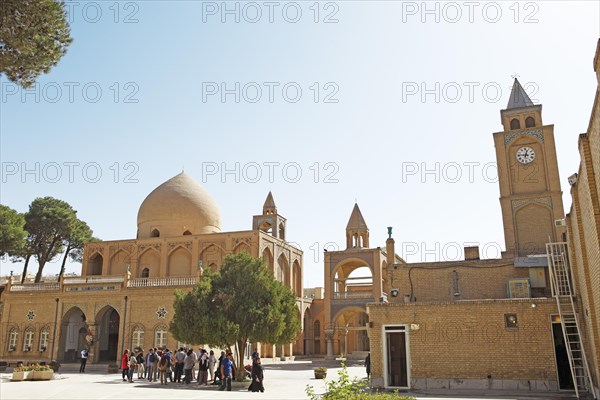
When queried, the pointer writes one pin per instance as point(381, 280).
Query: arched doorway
point(108, 323)
point(72, 335)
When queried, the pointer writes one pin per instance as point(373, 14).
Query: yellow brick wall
point(469, 340)
point(484, 279)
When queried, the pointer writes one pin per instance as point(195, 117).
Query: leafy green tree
point(78, 235)
point(241, 302)
point(34, 35)
point(48, 222)
point(12, 232)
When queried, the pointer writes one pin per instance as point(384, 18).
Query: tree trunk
point(241, 371)
point(64, 261)
point(25, 268)
point(38, 276)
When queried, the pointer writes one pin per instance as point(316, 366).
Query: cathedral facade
point(124, 295)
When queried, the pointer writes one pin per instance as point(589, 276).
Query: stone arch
point(118, 263)
point(515, 124)
point(282, 270)
point(241, 247)
point(529, 122)
point(150, 259)
point(267, 256)
point(94, 264)
point(71, 342)
point(266, 227)
point(351, 330)
point(179, 262)
point(297, 278)
point(186, 233)
point(343, 285)
point(281, 231)
point(106, 344)
point(155, 233)
point(212, 254)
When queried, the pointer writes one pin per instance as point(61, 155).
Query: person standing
point(163, 366)
point(132, 366)
point(368, 365)
point(212, 360)
point(179, 357)
point(203, 368)
point(84, 357)
point(226, 372)
point(188, 365)
point(257, 376)
point(125, 365)
point(140, 364)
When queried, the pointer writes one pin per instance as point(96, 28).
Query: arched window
point(28, 339)
point(145, 273)
point(160, 337)
point(12, 339)
point(317, 329)
point(281, 232)
point(515, 124)
point(137, 337)
point(529, 122)
point(155, 233)
point(44, 335)
point(187, 233)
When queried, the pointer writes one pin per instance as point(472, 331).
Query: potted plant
point(55, 365)
point(21, 373)
point(42, 372)
point(113, 368)
point(320, 373)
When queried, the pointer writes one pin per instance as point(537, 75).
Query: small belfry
point(357, 231)
point(270, 222)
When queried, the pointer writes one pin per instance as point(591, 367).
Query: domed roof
point(178, 205)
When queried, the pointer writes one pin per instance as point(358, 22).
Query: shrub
point(345, 388)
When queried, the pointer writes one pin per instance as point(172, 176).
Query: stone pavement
point(282, 381)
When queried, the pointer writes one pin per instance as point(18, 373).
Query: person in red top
point(125, 364)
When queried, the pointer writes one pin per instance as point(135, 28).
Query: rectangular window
point(12, 340)
point(160, 338)
point(28, 340)
point(44, 334)
point(137, 339)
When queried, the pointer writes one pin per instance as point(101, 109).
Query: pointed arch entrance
point(108, 322)
point(72, 335)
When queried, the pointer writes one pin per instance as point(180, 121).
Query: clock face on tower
point(525, 155)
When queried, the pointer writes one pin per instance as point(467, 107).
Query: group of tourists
point(180, 367)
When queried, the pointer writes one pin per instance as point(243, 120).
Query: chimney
point(471, 253)
point(390, 248)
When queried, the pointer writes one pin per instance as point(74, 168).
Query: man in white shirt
point(84, 357)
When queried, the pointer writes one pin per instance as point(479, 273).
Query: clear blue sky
point(162, 67)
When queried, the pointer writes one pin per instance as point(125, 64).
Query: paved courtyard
point(282, 381)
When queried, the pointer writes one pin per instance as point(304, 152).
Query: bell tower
point(357, 232)
point(270, 222)
point(530, 193)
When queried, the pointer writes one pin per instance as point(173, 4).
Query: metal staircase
point(560, 277)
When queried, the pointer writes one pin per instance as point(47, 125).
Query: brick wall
point(469, 340)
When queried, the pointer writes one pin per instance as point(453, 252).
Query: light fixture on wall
point(533, 305)
point(394, 292)
point(511, 321)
